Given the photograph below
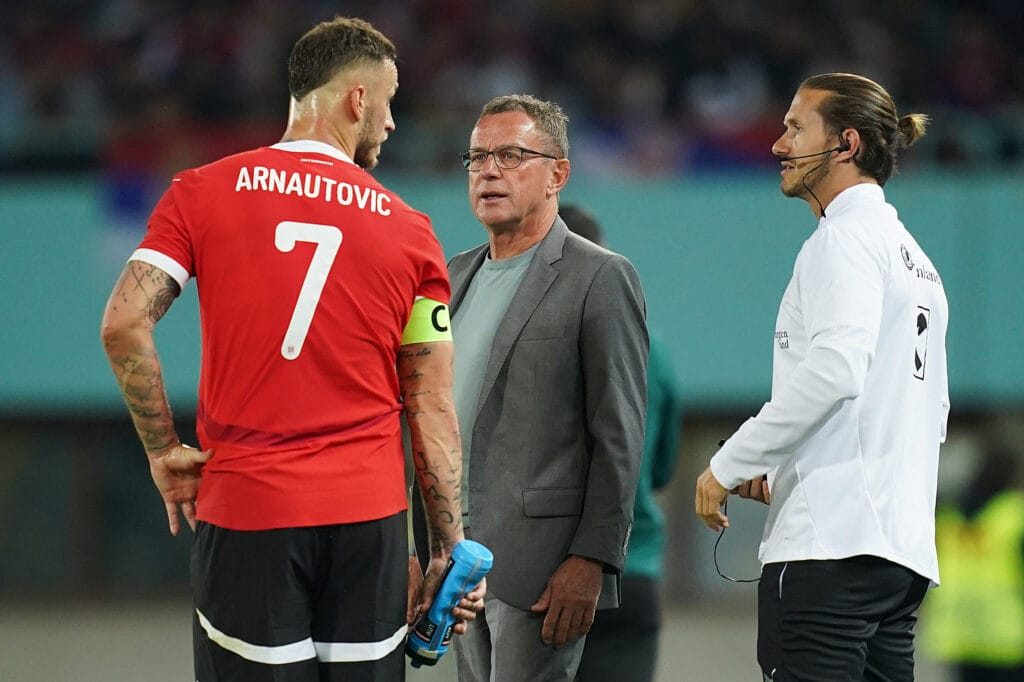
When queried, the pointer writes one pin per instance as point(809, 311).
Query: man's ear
point(849, 141)
point(559, 177)
point(357, 102)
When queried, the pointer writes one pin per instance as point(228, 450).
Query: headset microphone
point(841, 148)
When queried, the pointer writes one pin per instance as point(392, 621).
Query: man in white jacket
point(848, 445)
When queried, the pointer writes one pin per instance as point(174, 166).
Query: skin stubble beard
point(807, 183)
point(363, 154)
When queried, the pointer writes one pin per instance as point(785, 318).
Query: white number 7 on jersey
point(327, 239)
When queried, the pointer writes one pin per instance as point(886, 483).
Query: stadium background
point(673, 104)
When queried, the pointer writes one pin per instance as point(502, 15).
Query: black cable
point(803, 181)
point(725, 510)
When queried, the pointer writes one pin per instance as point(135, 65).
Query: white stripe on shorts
point(272, 655)
point(350, 652)
point(303, 650)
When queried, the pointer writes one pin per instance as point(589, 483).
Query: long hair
point(332, 46)
point(864, 105)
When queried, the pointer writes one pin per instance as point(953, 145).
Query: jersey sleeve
point(168, 243)
point(434, 282)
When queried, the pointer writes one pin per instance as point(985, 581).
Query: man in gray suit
point(550, 388)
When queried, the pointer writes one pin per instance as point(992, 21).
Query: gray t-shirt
point(473, 328)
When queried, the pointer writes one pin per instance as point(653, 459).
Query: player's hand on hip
point(177, 472)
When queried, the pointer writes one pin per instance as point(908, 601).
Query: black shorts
point(317, 604)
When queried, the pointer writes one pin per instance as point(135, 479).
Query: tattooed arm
point(140, 298)
point(425, 377)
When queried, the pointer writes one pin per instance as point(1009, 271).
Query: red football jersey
point(307, 269)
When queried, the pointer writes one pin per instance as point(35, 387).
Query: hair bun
point(912, 127)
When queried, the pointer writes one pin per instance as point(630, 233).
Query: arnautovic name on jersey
point(311, 185)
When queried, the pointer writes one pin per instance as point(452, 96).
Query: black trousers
point(623, 643)
point(845, 620)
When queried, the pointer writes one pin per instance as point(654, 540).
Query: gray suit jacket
point(560, 425)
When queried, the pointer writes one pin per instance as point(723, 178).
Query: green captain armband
point(428, 321)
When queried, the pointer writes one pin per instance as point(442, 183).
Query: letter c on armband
point(435, 317)
point(428, 321)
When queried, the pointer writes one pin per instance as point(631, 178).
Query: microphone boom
point(840, 148)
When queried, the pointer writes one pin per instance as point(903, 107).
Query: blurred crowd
point(652, 87)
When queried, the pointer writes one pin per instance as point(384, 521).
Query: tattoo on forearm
point(443, 498)
point(158, 439)
point(144, 396)
point(159, 288)
point(436, 495)
point(438, 534)
point(150, 291)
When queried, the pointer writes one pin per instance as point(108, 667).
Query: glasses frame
point(523, 151)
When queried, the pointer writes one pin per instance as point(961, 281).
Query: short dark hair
point(549, 117)
point(860, 103)
point(332, 46)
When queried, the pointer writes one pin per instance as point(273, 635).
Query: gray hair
point(548, 117)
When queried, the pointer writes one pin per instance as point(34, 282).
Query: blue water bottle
point(468, 564)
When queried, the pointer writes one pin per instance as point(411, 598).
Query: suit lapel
point(460, 281)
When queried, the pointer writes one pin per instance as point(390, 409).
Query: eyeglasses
point(506, 157)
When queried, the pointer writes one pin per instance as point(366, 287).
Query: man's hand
point(570, 600)
point(467, 608)
point(708, 502)
point(756, 489)
point(177, 472)
point(471, 604)
point(430, 582)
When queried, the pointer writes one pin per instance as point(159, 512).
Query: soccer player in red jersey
point(324, 307)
